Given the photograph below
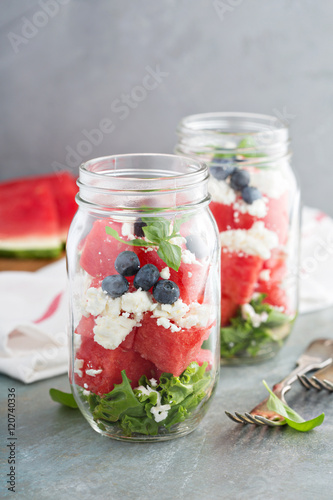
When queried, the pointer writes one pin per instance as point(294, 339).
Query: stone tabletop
point(58, 455)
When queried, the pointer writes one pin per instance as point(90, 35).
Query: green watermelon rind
point(31, 253)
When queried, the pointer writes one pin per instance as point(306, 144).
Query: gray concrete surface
point(60, 457)
point(66, 65)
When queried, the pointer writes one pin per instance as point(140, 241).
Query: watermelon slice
point(170, 351)
point(239, 275)
point(93, 356)
point(35, 214)
point(228, 309)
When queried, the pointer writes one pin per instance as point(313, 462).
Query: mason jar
point(256, 204)
point(143, 268)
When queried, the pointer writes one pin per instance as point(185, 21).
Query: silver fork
point(322, 379)
point(317, 355)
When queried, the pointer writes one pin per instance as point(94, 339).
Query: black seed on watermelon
point(115, 285)
point(197, 246)
point(166, 292)
point(127, 263)
point(146, 277)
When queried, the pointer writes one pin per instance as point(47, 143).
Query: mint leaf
point(64, 398)
point(292, 418)
point(136, 243)
point(170, 254)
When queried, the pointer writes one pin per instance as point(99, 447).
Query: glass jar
point(256, 204)
point(143, 266)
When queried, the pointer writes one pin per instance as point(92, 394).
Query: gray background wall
point(65, 65)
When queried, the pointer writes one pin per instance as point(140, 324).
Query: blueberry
point(239, 179)
point(221, 168)
point(166, 292)
point(115, 285)
point(250, 194)
point(127, 263)
point(138, 225)
point(197, 246)
point(146, 277)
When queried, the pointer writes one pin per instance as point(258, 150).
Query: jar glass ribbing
point(256, 204)
point(143, 266)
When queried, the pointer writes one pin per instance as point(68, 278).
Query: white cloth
point(34, 308)
point(316, 261)
point(33, 319)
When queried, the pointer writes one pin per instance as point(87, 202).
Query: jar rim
point(223, 121)
point(198, 170)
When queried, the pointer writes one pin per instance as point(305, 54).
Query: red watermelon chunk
point(239, 275)
point(170, 351)
point(111, 362)
point(228, 309)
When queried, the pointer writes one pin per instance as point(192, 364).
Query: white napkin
point(34, 307)
point(33, 319)
point(316, 261)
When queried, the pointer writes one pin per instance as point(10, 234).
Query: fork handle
point(303, 367)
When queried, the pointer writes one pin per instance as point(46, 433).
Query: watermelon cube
point(239, 275)
point(170, 351)
point(99, 369)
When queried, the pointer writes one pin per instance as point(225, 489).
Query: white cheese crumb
point(257, 209)
point(265, 275)
point(221, 192)
point(255, 241)
point(189, 274)
point(93, 373)
point(136, 302)
point(86, 393)
point(160, 412)
point(270, 182)
point(110, 331)
point(248, 312)
point(165, 273)
point(85, 386)
point(188, 257)
point(95, 301)
point(77, 341)
point(166, 323)
point(127, 229)
point(78, 364)
point(153, 382)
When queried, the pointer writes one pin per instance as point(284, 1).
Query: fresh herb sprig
point(129, 409)
point(242, 338)
point(291, 418)
point(158, 232)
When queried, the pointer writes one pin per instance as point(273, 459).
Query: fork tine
point(317, 384)
point(253, 419)
point(304, 381)
point(232, 417)
point(328, 385)
point(243, 418)
point(271, 423)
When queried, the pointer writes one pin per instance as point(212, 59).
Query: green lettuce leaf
point(292, 418)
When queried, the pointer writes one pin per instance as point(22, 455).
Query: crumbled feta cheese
point(265, 275)
point(178, 240)
point(188, 257)
point(153, 382)
point(110, 331)
point(127, 229)
point(78, 364)
point(77, 341)
point(255, 241)
point(165, 273)
point(256, 319)
point(269, 181)
point(189, 274)
point(136, 302)
point(95, 301)
point(171, 311)
point(166, 323)
point(85, 386)
point(86, 393)
point(93, 373)
point(160, 412)
point(199, 315)
point(221, 192)
point(257, 209)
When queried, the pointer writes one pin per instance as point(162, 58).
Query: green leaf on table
point(292, 418)
point(64, 398)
